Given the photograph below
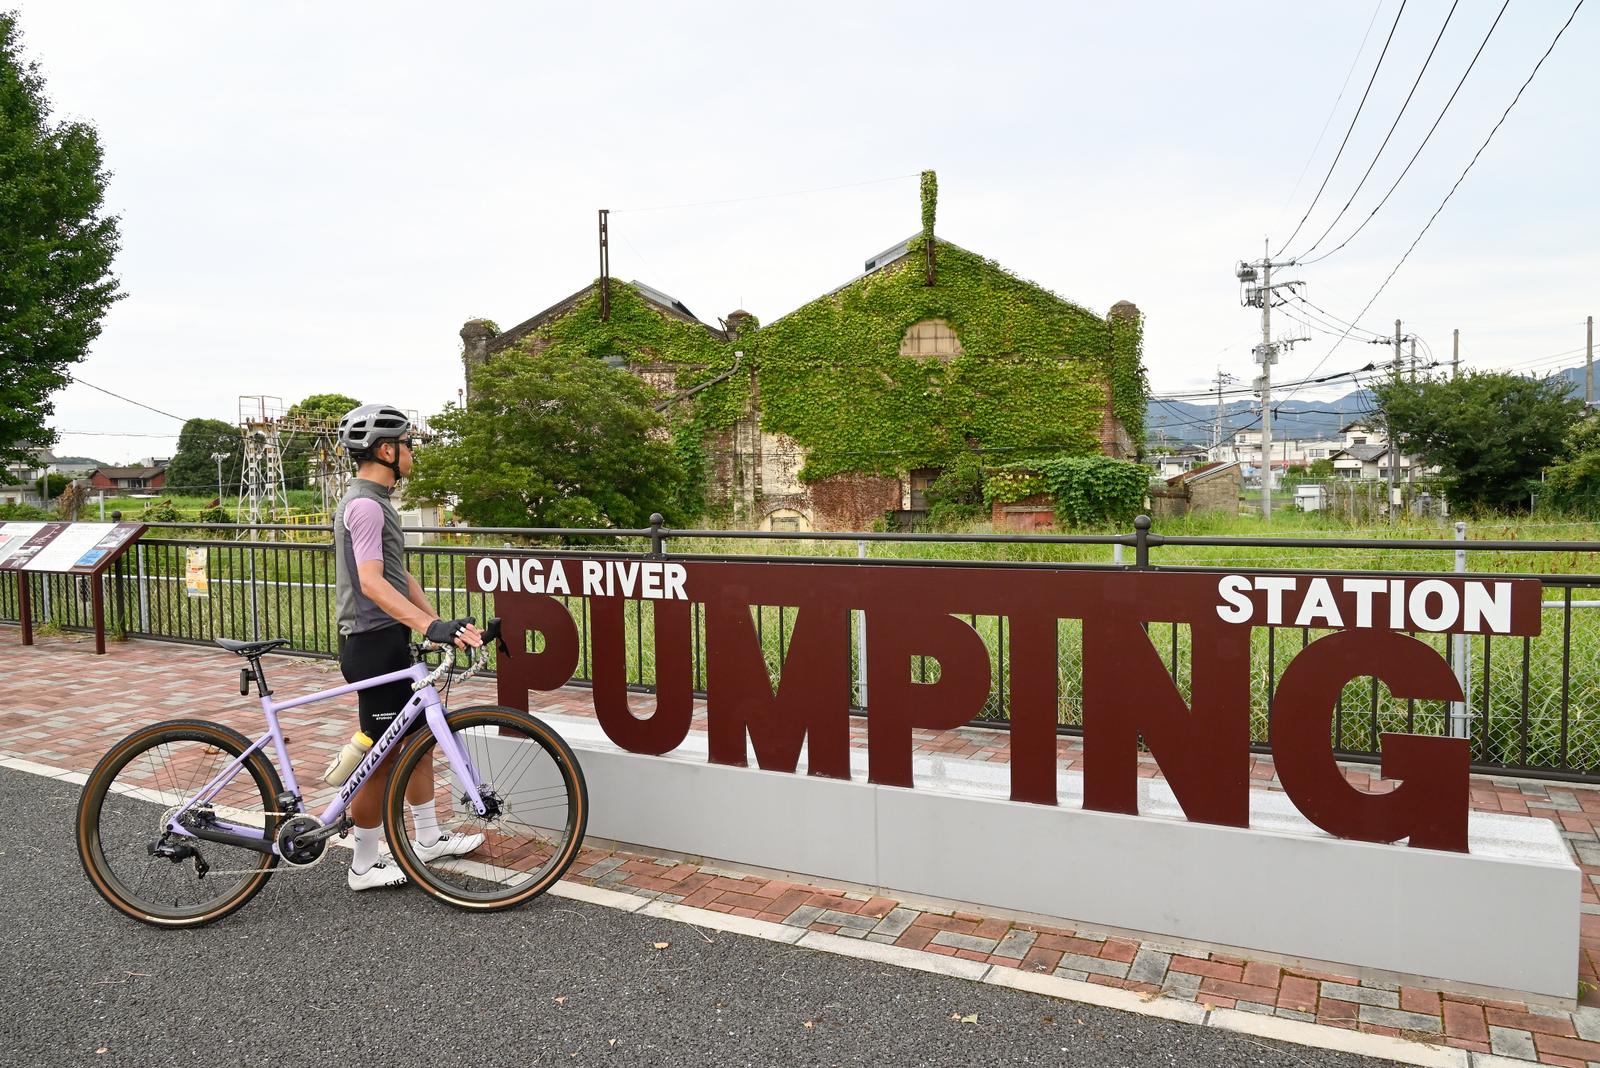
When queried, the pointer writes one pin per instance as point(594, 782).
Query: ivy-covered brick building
point(933, 360)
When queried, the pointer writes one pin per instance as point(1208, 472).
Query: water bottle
point(352, 754)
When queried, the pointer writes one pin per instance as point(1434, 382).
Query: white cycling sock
point(368, 839)
point(426, 820)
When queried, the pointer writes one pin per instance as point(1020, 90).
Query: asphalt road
point(288, 981)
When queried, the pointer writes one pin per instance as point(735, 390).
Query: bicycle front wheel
point(538, 808)
point(164, 879)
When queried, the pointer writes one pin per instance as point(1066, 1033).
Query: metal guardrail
point(1532, 708)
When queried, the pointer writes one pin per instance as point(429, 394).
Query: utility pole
point(1388, 428)
point(1588, 368)
point(1455, 353)
point(1266, 354)
point(219, 457)
point(1222, 379)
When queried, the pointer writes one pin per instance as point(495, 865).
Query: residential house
point(1369, 462)
point(1175, 461)
point(129, 479)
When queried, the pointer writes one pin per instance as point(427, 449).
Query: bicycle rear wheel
point(530, 837)
point(127, 801)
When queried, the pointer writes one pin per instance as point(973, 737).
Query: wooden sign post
point(81, 549)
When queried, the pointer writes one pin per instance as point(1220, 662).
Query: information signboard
point(82, 549)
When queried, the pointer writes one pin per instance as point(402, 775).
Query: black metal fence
point(1532, 707)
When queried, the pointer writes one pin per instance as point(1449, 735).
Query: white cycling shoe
point(380, 875)
point(448, 845)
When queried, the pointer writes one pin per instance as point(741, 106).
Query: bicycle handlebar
point(480, 655)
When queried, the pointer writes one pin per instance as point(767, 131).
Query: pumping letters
point(1129, 696)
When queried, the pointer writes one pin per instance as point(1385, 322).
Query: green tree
point(51, 485)
point(56, 248)
point(1573, 484)
point(192, 471)
point(556, 439)
point(1490, 433)
point(298, 452)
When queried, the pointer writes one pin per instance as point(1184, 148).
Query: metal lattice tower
point(263, 497)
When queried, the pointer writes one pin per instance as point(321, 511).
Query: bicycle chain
point(286, 866)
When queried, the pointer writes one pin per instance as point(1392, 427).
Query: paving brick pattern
point(61, 705)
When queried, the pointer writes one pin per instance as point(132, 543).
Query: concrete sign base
point(1503, 915)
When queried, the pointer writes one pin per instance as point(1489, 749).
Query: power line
point(1425, 140)
point(130, 400)
point(1377, 67)
point(1204, 394)
point(1426, 226)
point(1354, 61)
point(1392, 127)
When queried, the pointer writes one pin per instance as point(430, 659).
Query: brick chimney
point(475, 337)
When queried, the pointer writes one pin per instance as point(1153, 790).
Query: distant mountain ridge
point(1192, 421)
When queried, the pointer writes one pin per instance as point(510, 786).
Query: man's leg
point(365, 656)
point(432, 842)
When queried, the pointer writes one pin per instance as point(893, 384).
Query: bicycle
point(160, 826)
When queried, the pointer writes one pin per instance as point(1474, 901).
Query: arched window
point(787, 519)
point(931, 338)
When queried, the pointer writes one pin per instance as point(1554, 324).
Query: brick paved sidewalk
point(63, 706)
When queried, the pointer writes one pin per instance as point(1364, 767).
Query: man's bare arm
point(417, 597)
point(376, 588)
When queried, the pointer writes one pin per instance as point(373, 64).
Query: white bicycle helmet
point(364, 428)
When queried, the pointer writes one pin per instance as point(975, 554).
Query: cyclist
point(379, 605)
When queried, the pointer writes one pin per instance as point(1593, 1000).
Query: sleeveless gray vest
point(356, 612)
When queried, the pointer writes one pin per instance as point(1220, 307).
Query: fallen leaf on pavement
point(970, 1018)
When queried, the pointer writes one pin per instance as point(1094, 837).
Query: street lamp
point(219, 457)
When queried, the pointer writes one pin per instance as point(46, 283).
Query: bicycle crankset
point(296, 842)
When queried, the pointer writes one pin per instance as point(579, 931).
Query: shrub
point(1095, 490)
point(22, 512)
point(160, 511)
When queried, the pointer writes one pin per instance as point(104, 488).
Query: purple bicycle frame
point(424, 701)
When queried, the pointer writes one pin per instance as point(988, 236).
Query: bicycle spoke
point(530, 834)
point(124, 815)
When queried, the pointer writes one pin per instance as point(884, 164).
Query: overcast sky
point(314, 197)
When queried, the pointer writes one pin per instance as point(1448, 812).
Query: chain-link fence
point(1532, 703)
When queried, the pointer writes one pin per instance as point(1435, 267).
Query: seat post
point(260, 674)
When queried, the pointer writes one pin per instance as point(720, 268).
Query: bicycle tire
point(486, 884)
point(139, 806)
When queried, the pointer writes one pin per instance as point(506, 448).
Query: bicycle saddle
point(251, 649)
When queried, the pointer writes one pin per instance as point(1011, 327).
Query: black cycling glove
point(444, 631)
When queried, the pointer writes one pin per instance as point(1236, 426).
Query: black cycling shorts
point(378, 652)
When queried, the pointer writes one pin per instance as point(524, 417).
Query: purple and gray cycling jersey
point(366, 527)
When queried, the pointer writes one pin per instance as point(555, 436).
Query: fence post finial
point(1141, 541)
point(658, 540)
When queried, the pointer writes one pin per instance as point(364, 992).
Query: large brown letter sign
point(1201, 742)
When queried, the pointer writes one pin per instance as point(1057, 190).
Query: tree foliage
point(553, 439)
point(299, 449)
point(1573, 484)
point(56, 248)
point(193, 471)
point(1490, 433)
